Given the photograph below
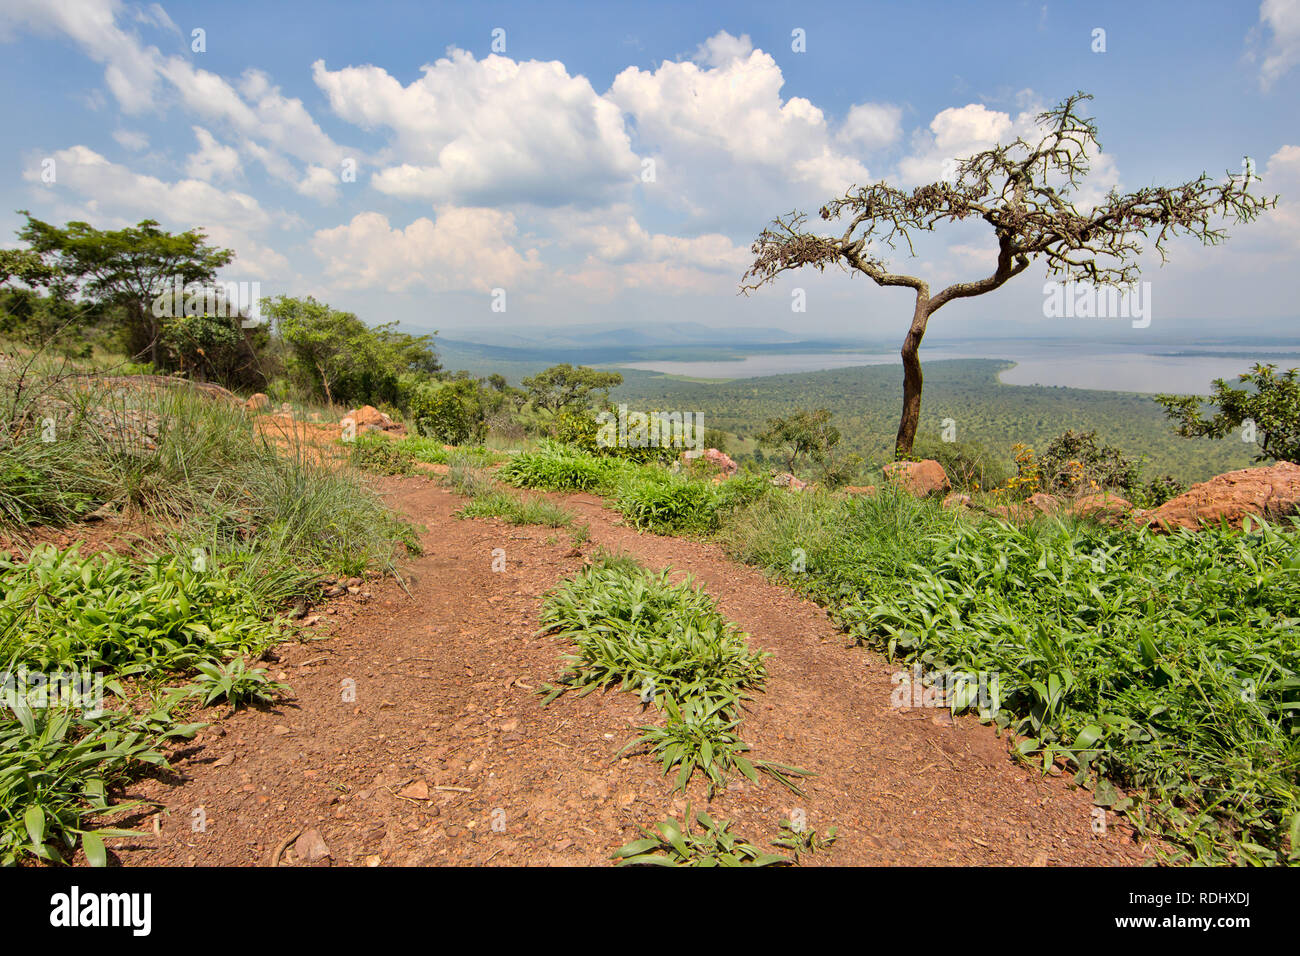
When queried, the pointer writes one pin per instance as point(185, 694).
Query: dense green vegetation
point(236, 532)
point(864, 402)
point(1168, 664)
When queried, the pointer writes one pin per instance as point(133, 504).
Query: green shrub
point(452, 412)
point(378, 453)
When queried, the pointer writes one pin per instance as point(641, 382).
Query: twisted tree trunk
point(912, 378)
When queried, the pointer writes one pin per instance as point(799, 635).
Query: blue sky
point(525, 169)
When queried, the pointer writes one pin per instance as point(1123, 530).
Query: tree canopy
point(128, 267)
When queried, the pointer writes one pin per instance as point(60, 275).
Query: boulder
point(957, 500)
point(257, 402)
point(1103, 506)
point(920, 478)
point(1269, 492)
point(716, 460)
point(788, 480)
point(367, 418)
point(1044, 503)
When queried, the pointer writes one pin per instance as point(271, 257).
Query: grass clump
point(375, 452)
point(668, 642)
point(557, 467)
point(517, 510)
point(707, 843)
point(433, 452)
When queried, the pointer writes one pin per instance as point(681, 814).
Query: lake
point(1072, 366)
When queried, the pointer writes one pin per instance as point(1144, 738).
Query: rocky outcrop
point(713, 459)
point(1044, 503)
point(1270, 492)
point(920, 478)
point(1105, 506)
point(367, 418)
point(788, 480)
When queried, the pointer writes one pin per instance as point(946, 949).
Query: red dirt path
point(446, 736)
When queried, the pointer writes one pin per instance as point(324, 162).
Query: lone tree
point(1024, 192)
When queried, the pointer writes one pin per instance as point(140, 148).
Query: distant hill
point(618, 335)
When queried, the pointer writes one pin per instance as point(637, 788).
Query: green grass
point(517, 510)
point(1169, 665)
point(650, 496)
point(432, 451)
point(246, 529)
point(667, 642)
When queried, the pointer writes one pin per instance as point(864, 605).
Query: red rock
point(1102, 506)
point(416, 790)
point(311, 847)
point(957, 500)
point(920, 478)
point(714, 459)
point(859, 489)
point(367, 418)
point(1044, 503)
point(1270, 492)
point(257, 402)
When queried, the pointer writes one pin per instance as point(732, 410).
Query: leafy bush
point(1270, 409)
point(452, 412)
point(378, 453)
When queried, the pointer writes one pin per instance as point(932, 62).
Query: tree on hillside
point(1269, 411)
point(1024, 193)
point(128, 267)
point(563, 386)
point(341, 358)
point(802, 434)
